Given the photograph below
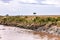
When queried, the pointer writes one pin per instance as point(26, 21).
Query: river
point(15, 33)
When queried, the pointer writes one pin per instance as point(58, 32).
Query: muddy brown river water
point(15, 33)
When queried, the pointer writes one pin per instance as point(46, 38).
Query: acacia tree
point(34, 13)
point(6, 15)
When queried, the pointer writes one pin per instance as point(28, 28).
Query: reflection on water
point(15, 33)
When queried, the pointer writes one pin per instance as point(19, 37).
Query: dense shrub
point(27, 20)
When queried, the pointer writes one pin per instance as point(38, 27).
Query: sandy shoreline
point(15, 33)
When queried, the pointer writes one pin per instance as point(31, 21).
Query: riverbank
point(53, 30)
point(15, 33)
point(36, 23)
point(29, 22)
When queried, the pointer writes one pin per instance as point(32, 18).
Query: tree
point(34, 13)
point(7, 15)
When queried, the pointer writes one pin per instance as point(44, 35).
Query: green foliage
point(37, 19)
point(25, 20)
point(48, 19)
point(58, 18)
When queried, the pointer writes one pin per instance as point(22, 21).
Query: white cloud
point(14, 7)
point(25, 1)
point(54, 2)
point(51, 1)
point(9, 8)
point(16, 2)
point(28, 1)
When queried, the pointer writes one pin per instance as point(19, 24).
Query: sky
point(28, 7)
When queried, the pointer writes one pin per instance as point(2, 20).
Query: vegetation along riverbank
point(30, 22)
point(48, 24)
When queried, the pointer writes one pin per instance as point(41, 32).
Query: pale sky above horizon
point(27, 7)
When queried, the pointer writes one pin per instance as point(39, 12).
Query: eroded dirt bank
point(15, 33)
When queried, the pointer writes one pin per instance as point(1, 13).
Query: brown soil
point(49, 35)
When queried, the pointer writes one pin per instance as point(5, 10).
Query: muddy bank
point(32, 26)
point(49, 36)
point(15, 33)
point(50, 29)
point(29, 22)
